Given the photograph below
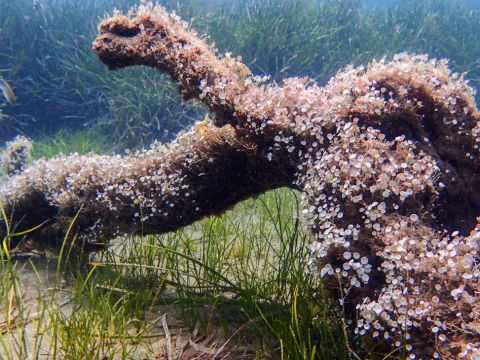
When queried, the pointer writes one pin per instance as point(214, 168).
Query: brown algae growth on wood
point(386, 156)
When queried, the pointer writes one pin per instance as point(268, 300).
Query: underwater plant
point(387, 158)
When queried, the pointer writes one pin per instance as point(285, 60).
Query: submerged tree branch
point(386, 156)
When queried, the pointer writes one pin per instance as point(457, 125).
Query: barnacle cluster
point(387, 159)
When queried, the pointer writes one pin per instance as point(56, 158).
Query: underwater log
point(155, 190)
point(386, 157)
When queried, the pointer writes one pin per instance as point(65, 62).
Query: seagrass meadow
point(254, 180)
point(46, 56)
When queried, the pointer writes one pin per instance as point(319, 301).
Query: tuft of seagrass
point(386, 156)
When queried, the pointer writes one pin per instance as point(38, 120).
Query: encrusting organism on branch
point(387, 158)
point(16, 156)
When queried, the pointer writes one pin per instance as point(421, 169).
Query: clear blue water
point(474, 4)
